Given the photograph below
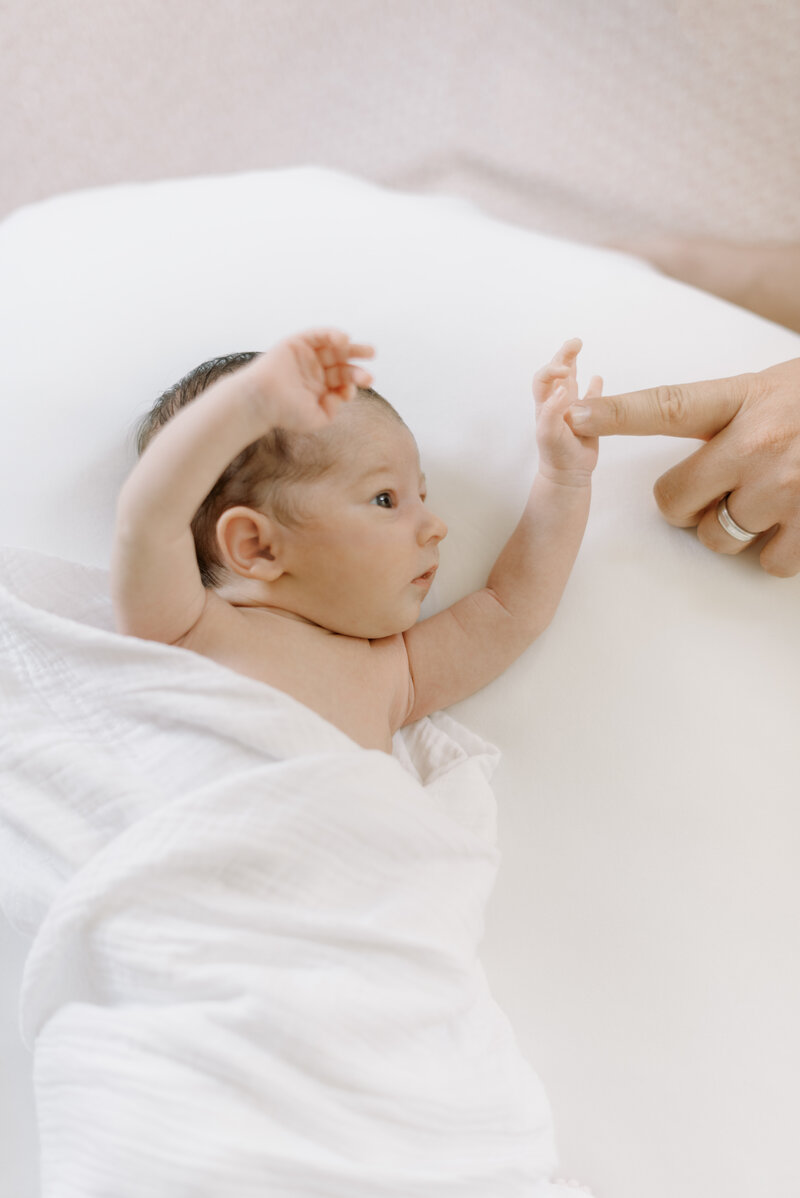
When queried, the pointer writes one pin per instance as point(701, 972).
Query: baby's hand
point(564, 457)
point(304, 379)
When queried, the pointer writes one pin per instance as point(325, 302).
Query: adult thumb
point(679, 410)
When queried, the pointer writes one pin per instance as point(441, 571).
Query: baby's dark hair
point(261, 475)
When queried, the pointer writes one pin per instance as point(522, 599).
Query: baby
point(278, 524)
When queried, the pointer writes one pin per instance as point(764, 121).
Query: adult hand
point(751, 426)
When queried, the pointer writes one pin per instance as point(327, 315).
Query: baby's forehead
point(369, 439)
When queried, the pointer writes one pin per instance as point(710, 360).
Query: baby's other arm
point(299, 384)
point(455, 653)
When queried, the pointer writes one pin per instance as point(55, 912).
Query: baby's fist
point(307, 377)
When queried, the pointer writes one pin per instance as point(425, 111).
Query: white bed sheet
point(642, 935)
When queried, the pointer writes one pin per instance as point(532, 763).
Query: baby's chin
point(375, 628)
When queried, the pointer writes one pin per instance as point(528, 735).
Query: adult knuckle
point(672, 405)
point(666, 492)
point(663, 492)
point(752, 385)
point(785, 490)
point(616, 412)
point(704, 538)
point(771, 439)
point(778, 567)
point(770, 422)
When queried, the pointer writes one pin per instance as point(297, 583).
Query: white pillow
point(642, 936)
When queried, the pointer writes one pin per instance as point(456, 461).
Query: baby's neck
point(254, 605)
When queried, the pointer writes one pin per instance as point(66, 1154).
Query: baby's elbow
point(520, 624)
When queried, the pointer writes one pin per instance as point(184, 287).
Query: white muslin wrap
point(254, 965)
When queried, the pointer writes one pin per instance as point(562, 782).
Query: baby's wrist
point(262, 395)
point(572, 479)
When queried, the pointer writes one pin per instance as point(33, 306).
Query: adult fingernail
point(578, 415)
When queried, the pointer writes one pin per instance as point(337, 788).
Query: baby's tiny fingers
point(545, 377)
point(551, 371)
point(555, 403)
point(570, 349)
point(569, 352)
point(361, 351)
point(337, 376)
point(561, 399)
point(328, 344)
point(595, 387)
point(331, 402)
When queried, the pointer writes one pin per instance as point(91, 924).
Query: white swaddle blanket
point(254, 968)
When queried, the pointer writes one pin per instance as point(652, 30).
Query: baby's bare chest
point(362, 687)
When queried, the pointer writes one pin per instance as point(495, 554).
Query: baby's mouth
point(427, 576)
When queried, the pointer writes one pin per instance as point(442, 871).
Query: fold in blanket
point(254, 968)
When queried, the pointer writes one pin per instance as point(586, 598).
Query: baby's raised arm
point(455, 653)
point(299, 384)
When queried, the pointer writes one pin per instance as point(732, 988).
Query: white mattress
point(642, 933)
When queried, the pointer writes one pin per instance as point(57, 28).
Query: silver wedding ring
point(729, 524)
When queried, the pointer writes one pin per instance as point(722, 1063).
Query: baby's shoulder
point(217, 621)
point(391, 662)
point(320, 668)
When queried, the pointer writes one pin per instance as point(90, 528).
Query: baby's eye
point(384, 499)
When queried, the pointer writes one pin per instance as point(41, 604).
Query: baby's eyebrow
point(387, 468)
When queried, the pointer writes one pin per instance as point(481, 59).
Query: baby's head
point(329, 526)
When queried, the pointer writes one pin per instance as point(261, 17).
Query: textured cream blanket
point(254, 968)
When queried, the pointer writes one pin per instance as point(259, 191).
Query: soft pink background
point(591, 120)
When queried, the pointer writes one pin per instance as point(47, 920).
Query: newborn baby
point(276, 522)
point(324, 1010)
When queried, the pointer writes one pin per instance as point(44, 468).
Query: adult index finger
point(679, 410)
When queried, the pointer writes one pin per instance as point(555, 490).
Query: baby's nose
point(435, 529)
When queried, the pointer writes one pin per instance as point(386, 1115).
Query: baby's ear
point(250, 543)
